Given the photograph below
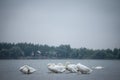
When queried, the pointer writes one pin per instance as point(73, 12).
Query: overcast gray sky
point(80, 23)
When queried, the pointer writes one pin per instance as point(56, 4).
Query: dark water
point(9, 70)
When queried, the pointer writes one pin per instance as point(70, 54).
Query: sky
point(93, 24)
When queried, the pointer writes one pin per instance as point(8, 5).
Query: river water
point(9, 70)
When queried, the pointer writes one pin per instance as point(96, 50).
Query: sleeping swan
point(98, 67)
point(59, 68)
point(71, 67)
point(27, 69)
point(83, 69)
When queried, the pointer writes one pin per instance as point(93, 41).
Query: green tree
point(4, 54)
point(16, 52)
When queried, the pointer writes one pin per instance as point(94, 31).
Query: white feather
point(56, 68)
point(27, 69)
point(83, 69)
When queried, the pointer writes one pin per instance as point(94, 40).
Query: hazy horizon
point(93, 24)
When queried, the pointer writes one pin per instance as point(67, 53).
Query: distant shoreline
point(36, 51)
point(55, 59)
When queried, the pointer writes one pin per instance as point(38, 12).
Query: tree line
point(36, 51)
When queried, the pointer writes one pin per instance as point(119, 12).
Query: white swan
point(60, 64)
point(71, 67)
point(98, 67)
point(83, 69)
point(27, 69)
point(56, 68)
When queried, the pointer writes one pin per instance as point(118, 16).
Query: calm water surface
point(9, 70)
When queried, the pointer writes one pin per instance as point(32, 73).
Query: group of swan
point(73, 68)
point(60, 68)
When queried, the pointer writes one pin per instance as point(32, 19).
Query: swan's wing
point(84, 68)
point(22, 67)
point(24, 70)
point(72, 68)
point(53, 69)
point(57, 69)
point(31, 69)
point(60, 68)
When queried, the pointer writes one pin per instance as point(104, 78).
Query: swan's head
point(60, 64)
point(51, 64)
point(67, 63)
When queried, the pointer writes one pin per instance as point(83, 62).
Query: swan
point(98, 67)
point(71, 67)
point(83, 69)
point(59, 68)
point(60, 64)
point(27, 69)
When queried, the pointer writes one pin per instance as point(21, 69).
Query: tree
point(116, 53)
point(29, 50)
point(4, 54)
point(63, 51)
point(99, 54)
point(16, 52)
